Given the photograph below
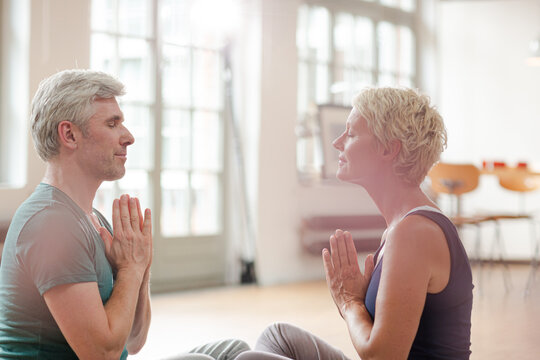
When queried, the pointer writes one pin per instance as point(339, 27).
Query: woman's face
point(358, 152)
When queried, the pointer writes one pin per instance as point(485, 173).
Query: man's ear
point(68, 134)
point(393, 150)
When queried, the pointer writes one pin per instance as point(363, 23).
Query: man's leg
point(222, 350)
point(289, 341)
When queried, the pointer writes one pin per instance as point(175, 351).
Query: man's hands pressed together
point(131, 247)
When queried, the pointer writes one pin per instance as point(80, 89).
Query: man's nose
point(127, 138)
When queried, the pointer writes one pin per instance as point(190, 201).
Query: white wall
point(489, 98)
point(59, 39)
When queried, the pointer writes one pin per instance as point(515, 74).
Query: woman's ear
point(68, 134)
point(392, 150)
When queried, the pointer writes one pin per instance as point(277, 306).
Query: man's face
point(104, 145)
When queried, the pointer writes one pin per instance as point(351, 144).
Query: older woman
point(414, 298)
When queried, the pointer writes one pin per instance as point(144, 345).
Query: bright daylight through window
point(173, 107)
point(340, 51)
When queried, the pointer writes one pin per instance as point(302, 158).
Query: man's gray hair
point(67, 95)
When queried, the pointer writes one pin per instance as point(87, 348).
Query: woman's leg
point(291, 342)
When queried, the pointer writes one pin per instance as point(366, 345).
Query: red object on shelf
point(499, 164)
point(522, 165)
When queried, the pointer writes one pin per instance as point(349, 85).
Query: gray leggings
point(281, 341)
point(219, 350)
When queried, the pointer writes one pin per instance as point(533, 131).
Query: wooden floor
point(505, 324)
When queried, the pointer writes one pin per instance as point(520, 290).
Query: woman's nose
point(338, 143)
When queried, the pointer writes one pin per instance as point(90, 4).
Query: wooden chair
point(457, 180)
point(522, 182)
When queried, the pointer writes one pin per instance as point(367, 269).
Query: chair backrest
point(519, 180)
point(455, 179)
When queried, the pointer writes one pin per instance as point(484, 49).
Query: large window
point(14, 74)
point(343, 49)
point(173, 107)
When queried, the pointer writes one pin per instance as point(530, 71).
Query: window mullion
point(155, 171)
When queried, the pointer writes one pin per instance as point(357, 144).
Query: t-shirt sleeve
point(55, 249)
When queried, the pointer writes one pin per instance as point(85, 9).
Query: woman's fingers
point(351, 249)
point(369, 265)
point(328, 267)
point(342, 248)
point(334, 252)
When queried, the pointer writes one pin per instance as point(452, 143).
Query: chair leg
point(535, 247)
point(499, 243)
point(478, 258)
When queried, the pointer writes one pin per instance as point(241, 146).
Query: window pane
point(206, 79)
point(103, 52)
point(207, 145)
point(174, 203)
point(301, 31)
point(206, 204)
point(135, 69)
point(302, 89)
point(138, 121)
point(103, 15)
point(176, 139)
point(386, 79)
point(343, 40)
point(321, 95)
point(174, 19)
point(363, 40)
point(406, 5)
point(318, 32)
point(136, 184)
point(135, 17)
point(176, 76)
point(406, 49)
point(387, 39)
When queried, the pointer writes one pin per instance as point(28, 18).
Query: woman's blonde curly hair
point(405, 115)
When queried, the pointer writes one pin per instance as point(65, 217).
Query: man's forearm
point(121, 306)
point(143, 314)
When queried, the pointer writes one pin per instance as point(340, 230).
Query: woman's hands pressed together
point(346, 282)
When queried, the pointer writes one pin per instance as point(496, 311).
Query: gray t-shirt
point(50, 242)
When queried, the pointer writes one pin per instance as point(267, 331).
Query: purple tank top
point(444, 331)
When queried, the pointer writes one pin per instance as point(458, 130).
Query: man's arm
point(92, 329)
point(143, 315)
point(95, 331)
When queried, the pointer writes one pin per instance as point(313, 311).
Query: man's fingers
point(134, 214)
point(124, 212)
point(147, 224)
point(141, 218)
point(117, 223)
point(107, 238)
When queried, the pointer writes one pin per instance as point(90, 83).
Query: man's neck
point(71, 180)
